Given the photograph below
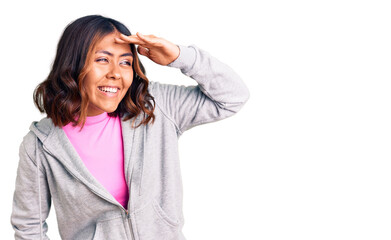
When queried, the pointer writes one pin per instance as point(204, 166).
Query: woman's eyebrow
point(110, 54)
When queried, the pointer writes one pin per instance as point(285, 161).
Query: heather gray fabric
point(50, 170)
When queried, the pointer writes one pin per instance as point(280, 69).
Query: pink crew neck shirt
point(100, 147)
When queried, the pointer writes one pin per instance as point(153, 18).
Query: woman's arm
point(220, 91)
point(25, 217)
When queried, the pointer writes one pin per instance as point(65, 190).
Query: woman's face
point(110, 75)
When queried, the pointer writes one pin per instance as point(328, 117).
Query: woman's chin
point(99, 110)
point(110, 110)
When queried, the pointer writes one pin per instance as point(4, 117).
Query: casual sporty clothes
point(100, 147)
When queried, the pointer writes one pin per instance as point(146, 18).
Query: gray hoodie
point(51, 171)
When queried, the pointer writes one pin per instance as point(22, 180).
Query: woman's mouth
point(109, 91)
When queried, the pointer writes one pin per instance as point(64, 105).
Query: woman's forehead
point(108, 43)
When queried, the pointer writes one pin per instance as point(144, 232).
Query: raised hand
point(157, 49)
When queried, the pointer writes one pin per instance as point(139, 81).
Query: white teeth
point(108, 89)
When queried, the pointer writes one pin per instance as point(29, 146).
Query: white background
point(308, 156)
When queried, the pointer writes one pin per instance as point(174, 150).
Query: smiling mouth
point(108, 89)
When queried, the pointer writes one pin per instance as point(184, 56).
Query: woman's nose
point(114, 72)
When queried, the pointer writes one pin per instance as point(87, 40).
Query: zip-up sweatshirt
point(50, 170)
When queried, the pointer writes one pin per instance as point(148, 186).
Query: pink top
point(100, 147)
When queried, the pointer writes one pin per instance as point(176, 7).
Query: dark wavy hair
point(61, 95)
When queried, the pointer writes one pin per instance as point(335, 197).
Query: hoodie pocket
point(111, 229)
point(153, 223)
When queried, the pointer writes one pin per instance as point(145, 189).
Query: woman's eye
point(127, 63)
point(105, 60)
point(101, 60)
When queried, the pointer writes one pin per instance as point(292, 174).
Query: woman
point(109, 177)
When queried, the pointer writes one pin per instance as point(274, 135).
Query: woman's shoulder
point(43, 126)
point(38, 129)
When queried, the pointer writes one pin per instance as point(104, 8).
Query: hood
point(42, 128)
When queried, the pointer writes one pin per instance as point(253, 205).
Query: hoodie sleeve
point(220, 92)
point(26, 214)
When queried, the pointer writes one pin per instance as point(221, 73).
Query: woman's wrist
point(185, 59)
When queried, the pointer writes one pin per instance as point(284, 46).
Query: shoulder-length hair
point(62, 96)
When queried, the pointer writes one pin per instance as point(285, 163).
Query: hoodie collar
point(56, 143)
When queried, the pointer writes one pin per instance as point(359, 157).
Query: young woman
point(106, 155)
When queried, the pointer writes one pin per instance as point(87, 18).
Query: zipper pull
point(127, 214)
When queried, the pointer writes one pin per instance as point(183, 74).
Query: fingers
point(139, 39)
point(129, 39)
point(151, 39)
point(143, 51)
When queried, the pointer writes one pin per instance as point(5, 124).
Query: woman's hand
point(157, 49)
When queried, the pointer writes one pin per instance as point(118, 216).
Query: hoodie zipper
point(107, 199)
point(129, 224)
